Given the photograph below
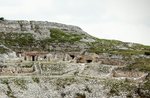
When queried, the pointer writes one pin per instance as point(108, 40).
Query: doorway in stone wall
point(88, 61)
point(33, 58)
point(72, 56)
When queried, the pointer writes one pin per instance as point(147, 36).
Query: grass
point(21, 83)
point(128, 53)
point(102, 45)
point(65, 81)
point(3, 50)
point(5, 81)
point(27, 65)
point(54, 67)
point(17, 40)
point(116, 87)
point(111, 47)
point(60, 36)
point(26, 41)
point(145, 90)
point(141, 64)
point(36, 79)
point(9, 92)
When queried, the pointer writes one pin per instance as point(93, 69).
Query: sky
point(125, 20)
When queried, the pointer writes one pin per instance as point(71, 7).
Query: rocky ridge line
point(40, 29)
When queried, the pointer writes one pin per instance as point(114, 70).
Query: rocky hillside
point(22, 34)
point(76, 65)
point(38, 28)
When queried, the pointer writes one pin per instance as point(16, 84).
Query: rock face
point(40, 29)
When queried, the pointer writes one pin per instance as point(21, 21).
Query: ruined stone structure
point(121, 73)
point(88, 58)
point(35, 56)
point(13, 70)
point(45, 56)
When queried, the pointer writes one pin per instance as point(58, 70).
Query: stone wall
point(11, 70)
point(121, 73)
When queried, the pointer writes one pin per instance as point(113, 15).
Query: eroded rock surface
point(41, 29)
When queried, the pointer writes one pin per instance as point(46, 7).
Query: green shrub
point(5, 81)
point(36, 79)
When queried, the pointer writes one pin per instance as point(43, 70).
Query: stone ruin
point(14, 70)
point(39, 57)
point(46, 56)
point(87, 58)
point(34, 56)
point(121, 73)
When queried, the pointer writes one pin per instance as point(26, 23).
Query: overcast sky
point(126, 20)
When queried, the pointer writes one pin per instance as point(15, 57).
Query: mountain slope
point(80, 66)
point(20, 36)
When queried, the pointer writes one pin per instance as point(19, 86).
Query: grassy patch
point(116, 87)
point(36, 79)
point(15, 41)
point(141, 64)
point(3, 50)
point(126, 52)
point(65, 81)
point(27, 65)
point(21, 83)
point(53, 66)
point(112, 47)
point(9, 93)
point(26, 41)
point(5, 81)
point(145, 90)
point(60, 36)
point(102, 45)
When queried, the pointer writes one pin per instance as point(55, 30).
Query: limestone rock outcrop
point(40, 29)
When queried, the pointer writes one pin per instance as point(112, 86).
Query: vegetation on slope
point(103, 46)
point(118, 87)
point(58, 35)
point(17, 40)
point(26, 41)
point(117, 48)
point(3, 50)
point(141, 64)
